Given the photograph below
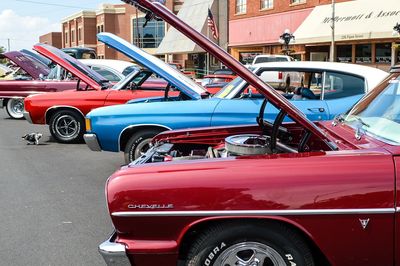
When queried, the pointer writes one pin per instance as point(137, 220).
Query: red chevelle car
point(27, 81)
point(64, 112)
point(269, 194)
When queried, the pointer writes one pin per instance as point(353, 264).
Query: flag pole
point(207, 53)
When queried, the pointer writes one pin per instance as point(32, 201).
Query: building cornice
point(81, 14)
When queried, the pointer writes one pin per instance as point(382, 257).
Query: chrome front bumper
point(114, 253)
point(92, 142)
point(27, 116)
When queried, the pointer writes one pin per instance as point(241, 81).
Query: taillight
point(280, 75)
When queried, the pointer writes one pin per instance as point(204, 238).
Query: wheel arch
point(128, 131)
point(193, 230)
point(52, 110)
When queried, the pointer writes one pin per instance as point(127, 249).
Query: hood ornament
point(364, 223)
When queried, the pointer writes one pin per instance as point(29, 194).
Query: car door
point(341, 91)
point(20, 88)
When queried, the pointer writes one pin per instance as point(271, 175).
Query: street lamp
point(285, 39)
point(396, 29)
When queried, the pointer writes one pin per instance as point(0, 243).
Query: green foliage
point(2, 50)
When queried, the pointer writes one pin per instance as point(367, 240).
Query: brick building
point(124, 20)
point(52, 38)
point(363, 31)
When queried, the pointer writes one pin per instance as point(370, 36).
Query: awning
point(266, 29)
point(194, 13)
point(354, 20)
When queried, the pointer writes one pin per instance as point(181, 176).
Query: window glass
point(247, 57)
point(265, 4)
point(343, 53)
point(363, 53)
point(379, 112)
point(106, 74)
point(297, 1)
point(241, 6)
point(339, 85)
point(383, 53)
point(149, 36)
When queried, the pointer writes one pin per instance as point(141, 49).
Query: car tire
point(249, 244)
point(67, 126)
point(138, 144)
point(15, 108)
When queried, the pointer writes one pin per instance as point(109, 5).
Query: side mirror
point(247, 94)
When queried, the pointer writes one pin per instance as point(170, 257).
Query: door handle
point(316, 110)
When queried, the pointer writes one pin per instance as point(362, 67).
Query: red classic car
point(64, 112)
point(269, 194)
point(28, 80)
point(213, 83)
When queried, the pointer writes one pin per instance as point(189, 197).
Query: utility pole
point(332, 53)
point(8, 44)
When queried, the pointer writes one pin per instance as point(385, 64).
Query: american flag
point(212, 25)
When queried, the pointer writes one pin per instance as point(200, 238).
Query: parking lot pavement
point(52, 200)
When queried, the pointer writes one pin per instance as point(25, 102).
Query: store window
point(297, 1)
point(267, 4)
point(241, 6)
point(363, 53)
point(247, 58)
point(383, 53)
point(149, 36)
point(343, 53)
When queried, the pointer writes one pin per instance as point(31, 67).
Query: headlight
point(88, 124)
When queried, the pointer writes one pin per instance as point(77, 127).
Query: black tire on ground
point(235, 243)
point(67, 126)
point(138, 144)
point(15, 107)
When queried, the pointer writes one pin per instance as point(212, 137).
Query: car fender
point(131, 129)
point(52, 109)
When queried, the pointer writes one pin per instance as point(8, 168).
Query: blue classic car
point(320, 90)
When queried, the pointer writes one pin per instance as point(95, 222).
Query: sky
point(23, 21)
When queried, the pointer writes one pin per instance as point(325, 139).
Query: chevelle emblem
point(151, 206)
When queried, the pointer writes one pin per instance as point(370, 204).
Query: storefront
point(250, 37)
point(363, 33)
point(179, 49)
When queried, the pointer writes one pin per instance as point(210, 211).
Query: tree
point(2, 50)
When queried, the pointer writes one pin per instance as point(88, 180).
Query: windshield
point(378, 113)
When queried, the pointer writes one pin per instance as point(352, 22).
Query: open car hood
point(29, 64)
point(173, 76)
point(160, 11)
point(78, 69)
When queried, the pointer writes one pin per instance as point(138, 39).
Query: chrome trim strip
point(253, 213)
point(92, 142)
point(139, 125)
point(398, 209)
point(27, 117)
point(61, 106)
point(114, 253)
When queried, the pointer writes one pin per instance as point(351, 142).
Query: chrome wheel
point(66, 126)
point(250, 254)
point(15, 108)
point(142, 148)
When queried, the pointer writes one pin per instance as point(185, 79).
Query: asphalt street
point(52, 200)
